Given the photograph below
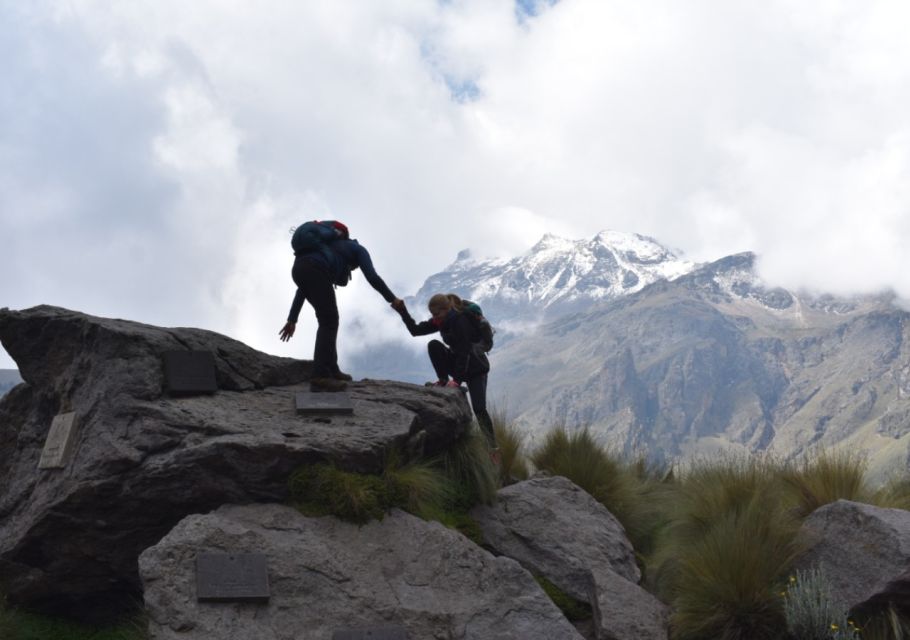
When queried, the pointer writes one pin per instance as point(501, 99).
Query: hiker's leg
point(321, 294)
point(477, 388)
point(441, 358)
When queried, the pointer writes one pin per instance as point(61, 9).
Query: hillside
point(9, 378)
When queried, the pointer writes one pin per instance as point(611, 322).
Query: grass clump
point(631, 491)
point(513, 464)
point(725, 551)
point(443, 488)
point(827, 477)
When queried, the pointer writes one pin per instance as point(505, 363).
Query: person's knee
point(435, 346)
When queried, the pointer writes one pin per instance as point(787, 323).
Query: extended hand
point(398, 304)
point(287, 331)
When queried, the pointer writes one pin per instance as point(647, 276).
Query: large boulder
point(864, 551)
point(326, 575)
point(558, 531)
point(70, 538)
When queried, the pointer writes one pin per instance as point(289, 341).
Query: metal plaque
point(59, 444)
point(377, 633)
point(315, 403)
point(232, 577)
point(189, 372)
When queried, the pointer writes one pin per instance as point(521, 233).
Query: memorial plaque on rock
point(59, 443)
point(189, 372)
point(314, 403)
point(231, 577)
point(377, 633)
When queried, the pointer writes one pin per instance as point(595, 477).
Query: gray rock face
point(625, 611)
point(69, 539)
point(327, 575)
point(555, 529)
point(860, 548)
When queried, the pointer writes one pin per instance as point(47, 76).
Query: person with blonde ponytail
point(460, 357)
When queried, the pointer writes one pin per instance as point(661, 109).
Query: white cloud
point(153, 154)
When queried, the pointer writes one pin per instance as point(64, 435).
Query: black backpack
point(483, 326)
point(318, 235)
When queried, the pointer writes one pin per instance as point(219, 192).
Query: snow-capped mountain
point(672, 359)
point(557, 275)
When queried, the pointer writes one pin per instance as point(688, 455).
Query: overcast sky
point(154, 154)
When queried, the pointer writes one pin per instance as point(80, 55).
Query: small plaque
point(377, 633)
point(189, 372)
point(231, 577)
point(315, 403)
point(59, 444)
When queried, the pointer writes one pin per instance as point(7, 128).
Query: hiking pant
point(316, 285)
point(444, 364)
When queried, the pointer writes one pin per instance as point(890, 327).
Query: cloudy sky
point(154, 154)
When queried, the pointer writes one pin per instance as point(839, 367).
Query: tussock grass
point(632, 491)
point(513, 465)
point(826, 477)
point(443, 488)
point(885, 625)
point(725, 551)
point(894, 494)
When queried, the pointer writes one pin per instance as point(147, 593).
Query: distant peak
point(551, 241)
point(464, 254)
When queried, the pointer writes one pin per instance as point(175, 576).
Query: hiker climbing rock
point(325, 258)
point(463, 358)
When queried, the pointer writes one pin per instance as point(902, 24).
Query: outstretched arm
point(424, 328)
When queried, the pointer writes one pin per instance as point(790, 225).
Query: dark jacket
point(462, 335)
point(338, 260)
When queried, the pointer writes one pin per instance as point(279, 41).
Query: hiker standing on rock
point(325, 257)
point(463, 357)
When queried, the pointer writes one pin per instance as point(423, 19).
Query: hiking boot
point(435, 383)
point(327, 384)
point(341, 375)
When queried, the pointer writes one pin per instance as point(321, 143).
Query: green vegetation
point(19, 625)
point(443, 488)
point(571, 608)
point(513, 465)
point(717, 538)
point(826, 477)
point(810, 612)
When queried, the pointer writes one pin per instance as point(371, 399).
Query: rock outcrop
point(70, 538)
point(864, 551)
point(558, 531)
point(326, 575)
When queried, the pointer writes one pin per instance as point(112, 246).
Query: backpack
point(318, 235)
point(483, 326)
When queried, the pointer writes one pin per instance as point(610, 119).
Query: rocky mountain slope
point(674, 359)
point(715, 360)
point(9, 378)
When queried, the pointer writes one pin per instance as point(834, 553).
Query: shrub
point(826, 477)
point(810, 613)
point(470, 470)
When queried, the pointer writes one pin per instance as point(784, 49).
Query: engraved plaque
point(189, 372)
point(313, 403)
point(372, 633)
point(231, 577)
point(59, 444)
